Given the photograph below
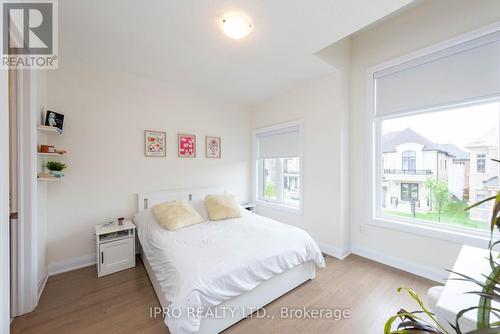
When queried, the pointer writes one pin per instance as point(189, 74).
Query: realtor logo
point(29, 34)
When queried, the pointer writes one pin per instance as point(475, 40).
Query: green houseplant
point(424, 322)
point(55, 168)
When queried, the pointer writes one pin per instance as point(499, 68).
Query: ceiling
point(180, 41)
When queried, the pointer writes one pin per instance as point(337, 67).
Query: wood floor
point(79, 302)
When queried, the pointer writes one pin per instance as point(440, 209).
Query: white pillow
point(174, 215)
point(199, 206)
point(221, 207)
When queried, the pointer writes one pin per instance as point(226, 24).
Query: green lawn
point(458, 217)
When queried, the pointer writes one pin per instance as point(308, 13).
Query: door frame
point(24, 232)
point(4, 204)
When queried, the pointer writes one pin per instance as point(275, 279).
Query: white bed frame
point(254, 299)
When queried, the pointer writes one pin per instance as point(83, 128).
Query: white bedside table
point(115, 247)
point(249, 206)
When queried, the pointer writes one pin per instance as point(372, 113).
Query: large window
point(435, 117)
point(279, 166)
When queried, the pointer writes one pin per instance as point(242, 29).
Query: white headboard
point(146, 200)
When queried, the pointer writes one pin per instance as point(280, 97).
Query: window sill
point(279, 206)
point(461, 236)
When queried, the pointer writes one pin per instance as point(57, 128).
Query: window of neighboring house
point(481, 163)
point(278, 165)
point(479, 198)
point(409, 192)
point(409, 162)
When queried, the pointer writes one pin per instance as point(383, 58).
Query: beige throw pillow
point(175, 215)
point(222, 207)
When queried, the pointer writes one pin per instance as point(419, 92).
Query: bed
point(209, 276)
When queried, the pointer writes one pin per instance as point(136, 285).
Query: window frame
point(373, 216)
point(408, 159)
point(483, 159)
point(258, 166)
point(410, 191)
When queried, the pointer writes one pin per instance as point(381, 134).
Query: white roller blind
point(463, 72)
point(282, 143)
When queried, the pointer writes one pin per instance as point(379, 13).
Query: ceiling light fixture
point(236, 26)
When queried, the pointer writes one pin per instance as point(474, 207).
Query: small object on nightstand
point(249, 206)
point(115, 246)
point(120, 220)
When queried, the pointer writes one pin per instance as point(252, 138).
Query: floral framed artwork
point(155, 143)
point(187, 146)
point(212, 147)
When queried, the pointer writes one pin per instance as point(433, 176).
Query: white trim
point(462, 236)
point(4, 204)
point(436, 47)
point(41, 286)
point(24, 292)
point(333, 251)
point(373, 217)
point(255, 185)
point(413, 268)
point(59, 267)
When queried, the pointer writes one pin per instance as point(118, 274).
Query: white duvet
point(206, 264)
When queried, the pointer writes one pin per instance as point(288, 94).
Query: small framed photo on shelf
point(212, 147)
point(187, 146)
point(55, 120)
point(155, 143)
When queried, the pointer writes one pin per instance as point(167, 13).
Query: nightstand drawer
point(116, 255)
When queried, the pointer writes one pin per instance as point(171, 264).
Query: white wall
point(321, 104)
point(423, 25)
point(106, 114)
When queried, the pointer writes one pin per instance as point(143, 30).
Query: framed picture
point(187, 146)
point(54, 119)
point(155, 143)
point(212, 147)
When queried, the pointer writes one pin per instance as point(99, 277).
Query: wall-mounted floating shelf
point(48, 130)
point(51, 154)
point(45, 178)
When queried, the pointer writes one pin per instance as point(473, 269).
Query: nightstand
point(249, 206)
point(115, 247)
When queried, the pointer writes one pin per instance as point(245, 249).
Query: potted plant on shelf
point(55, 168)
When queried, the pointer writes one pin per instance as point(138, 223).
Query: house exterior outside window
point(409, 160)
point(483, 175)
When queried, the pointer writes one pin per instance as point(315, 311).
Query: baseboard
point(41, 286)
point(405, 265)
point(63, 266)
point(336, 252)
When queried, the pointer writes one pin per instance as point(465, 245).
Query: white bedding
point(206, 264)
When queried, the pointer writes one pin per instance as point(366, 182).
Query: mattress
point(206, 264)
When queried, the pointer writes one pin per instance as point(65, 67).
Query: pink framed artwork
point(212, 147)
point(155, 143)
point(187, 146)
